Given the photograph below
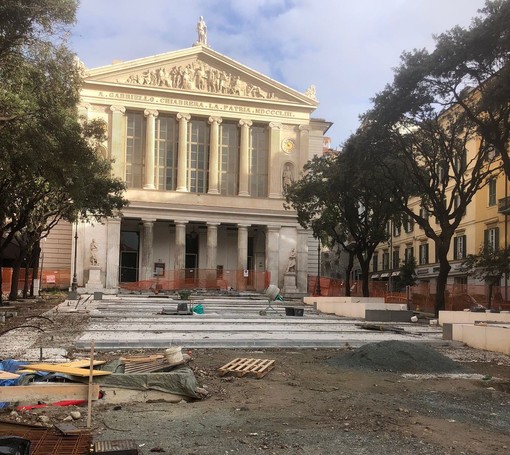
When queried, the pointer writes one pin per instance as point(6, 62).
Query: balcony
point(504, 205)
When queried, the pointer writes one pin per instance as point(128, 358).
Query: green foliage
point(489, 264)
point(49, 167)
point(408, 272)
point(426, 120)
point(343, 199)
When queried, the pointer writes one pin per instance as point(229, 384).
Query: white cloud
point(347, 49)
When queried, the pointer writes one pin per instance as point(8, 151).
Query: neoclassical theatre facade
point(205, 146)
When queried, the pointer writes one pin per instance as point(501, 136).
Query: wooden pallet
point(253, 367)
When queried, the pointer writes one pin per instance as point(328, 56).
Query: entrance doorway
point(191, 260)
point(129, 250)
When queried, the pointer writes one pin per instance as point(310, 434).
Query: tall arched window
point(135, 149)
point(229, 159)
point(198, 156)
point(258, 161)
point(166, 152)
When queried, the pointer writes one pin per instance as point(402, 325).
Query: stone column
point(244, 158)
point(147, 250)
point(275, 187)
point(212, 246)
point(214, 158)
point(112, 253)
point(272, 253)
point(304, 145)
point(242, 255)
point(117, 141)
point(180, 245)
point(182, 149)
point(302, 260)
point(150, 151)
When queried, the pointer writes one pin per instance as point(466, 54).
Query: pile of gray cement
point(398, 357)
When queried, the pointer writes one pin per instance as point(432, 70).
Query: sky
point(347, 49)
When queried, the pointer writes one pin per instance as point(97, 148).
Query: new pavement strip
point(142, 322)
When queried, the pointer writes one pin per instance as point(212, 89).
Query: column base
point(213, 192)
point(244, 194)
point(149, 186)
point(182, 190)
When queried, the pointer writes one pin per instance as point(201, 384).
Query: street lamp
point(318, 288)
point(74, 284)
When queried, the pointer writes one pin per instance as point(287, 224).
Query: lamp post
point(318, 288)
point(74, 284)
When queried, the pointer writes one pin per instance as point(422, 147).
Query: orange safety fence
point(420, 297)
point(212, 279)
point(59, 279)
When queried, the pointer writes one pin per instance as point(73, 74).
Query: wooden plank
point(47, 393)
point(142, 359)
point(81, 363)
point(7, 375)
point(84, 372)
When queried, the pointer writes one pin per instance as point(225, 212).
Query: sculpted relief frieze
point(198, 76)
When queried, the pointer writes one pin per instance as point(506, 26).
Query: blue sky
point(347, 49)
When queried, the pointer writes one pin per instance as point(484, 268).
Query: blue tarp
point(10, 366)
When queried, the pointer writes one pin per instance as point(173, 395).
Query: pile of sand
point(399, 357)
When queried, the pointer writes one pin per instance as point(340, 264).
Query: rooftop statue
point(202, 33)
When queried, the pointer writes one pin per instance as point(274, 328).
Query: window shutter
point(464, 247)
point(496, 238)
point(486, 238)
point(456, 248)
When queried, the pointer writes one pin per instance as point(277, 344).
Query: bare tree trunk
point(444, 269)
point(348, 270)
point(13, 295)
point(1, 282)
point(35, 266)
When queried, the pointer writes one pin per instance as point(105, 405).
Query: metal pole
point(319, 267)
point(391, 257)
point(74, 284)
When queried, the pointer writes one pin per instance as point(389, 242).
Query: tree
point(476, 60)
point(50, 170)
point(408, 272)
point(342, 198)
point(490, 265)
point(429, 152)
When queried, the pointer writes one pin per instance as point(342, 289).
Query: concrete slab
point(137, 323)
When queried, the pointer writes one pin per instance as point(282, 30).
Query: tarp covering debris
point(179, 381)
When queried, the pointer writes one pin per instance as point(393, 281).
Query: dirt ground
point(310, 404)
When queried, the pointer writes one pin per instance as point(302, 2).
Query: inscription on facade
point(196, 104)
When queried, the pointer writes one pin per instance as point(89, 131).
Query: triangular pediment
point(199, 70)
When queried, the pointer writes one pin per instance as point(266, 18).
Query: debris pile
point(399, 357)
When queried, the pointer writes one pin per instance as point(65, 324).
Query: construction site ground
point(315, 400)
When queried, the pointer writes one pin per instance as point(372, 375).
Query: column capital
point(150, 112)
point(276, 125)
point(273, 228)
point(245, 122)
point(212, 224)
point(243, 226)
point(117, 108)
point(148, 221)
point(304, 128)
point(180, 222)
point(183, 116)
point(217, 120)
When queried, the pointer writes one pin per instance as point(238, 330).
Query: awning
point(396, 273)
point(385, 275)
point(375, 275)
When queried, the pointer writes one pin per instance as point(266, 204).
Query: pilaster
point(274, 162)
point(117, 141)
point(150, 151)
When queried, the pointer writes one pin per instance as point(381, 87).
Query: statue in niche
point(287, 175)
point(93, 253)
point(291, 265)
point(202, 32)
